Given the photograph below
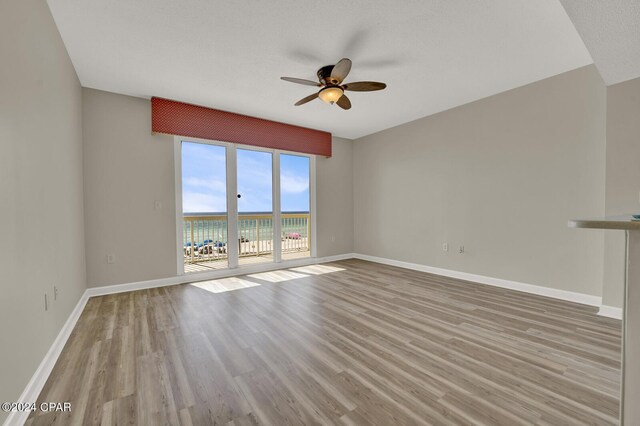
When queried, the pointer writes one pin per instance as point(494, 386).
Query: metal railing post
point(192, 241)
point(258, 234)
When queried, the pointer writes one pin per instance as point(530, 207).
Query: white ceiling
point(433, 54)
point(611, 31)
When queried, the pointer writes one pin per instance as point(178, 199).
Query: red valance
point(181, 119)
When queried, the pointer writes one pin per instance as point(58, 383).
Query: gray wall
point(126, 169)
point(623, 178)
point(500, 176)
point(334, 199)
point(42, 242)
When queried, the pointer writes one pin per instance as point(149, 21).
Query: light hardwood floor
point(349, 342)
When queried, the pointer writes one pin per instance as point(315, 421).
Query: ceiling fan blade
point(300, 81)
point(340, 70)
point(344, 102)
point(307, 99)
point(364, 86)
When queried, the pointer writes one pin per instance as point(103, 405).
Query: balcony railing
point(205, 236)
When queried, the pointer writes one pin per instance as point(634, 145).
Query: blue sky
point(204, 180)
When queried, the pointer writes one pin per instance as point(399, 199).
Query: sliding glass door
point(255, 206)
point(241, 206)
point(294, 206)
point(204, 207)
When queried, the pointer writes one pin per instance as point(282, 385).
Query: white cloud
point(202, 203)
point(293, 184)
point(210, 183)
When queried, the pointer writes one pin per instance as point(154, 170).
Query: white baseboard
point(39, 378)
point(201, 276)
point(610, 312)
point(570, 296)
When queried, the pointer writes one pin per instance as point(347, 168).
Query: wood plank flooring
point(349, 342)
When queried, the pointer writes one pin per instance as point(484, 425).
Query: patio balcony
point(205, 239)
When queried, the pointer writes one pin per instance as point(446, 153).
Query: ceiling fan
point(331, 87)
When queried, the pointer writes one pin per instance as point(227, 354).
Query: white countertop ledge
point(623, 222)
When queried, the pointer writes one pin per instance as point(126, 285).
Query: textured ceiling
point(433, 54)
point(611, 31)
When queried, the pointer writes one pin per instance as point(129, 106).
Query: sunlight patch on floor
point(317, 269)
point(236, 283)
point(278, 276)
point(225, 284)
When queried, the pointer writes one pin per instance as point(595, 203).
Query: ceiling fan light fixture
point(331, 94)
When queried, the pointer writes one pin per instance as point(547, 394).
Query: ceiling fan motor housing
point(324, 75)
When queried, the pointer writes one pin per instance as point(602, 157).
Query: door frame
point(232, 201)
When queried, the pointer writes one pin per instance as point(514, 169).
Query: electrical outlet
point(55, 293)
point(111, 258)
point(461, 249)
point(445, 247)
